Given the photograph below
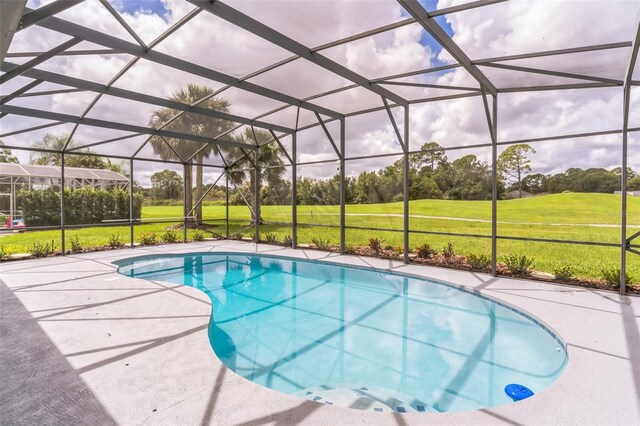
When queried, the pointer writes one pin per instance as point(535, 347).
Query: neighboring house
point(516, 194)
point(631, 193)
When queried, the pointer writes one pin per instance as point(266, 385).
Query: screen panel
point(372, 133)
point(318, 189)
point(539, 25)
point(314, 24)
point(555, 113)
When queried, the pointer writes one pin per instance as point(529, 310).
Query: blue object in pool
point(518, 392)
point(360, 338)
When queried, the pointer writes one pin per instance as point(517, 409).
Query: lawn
point(571, 216)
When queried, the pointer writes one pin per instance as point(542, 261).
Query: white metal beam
point(10, 15)
point(36, 15)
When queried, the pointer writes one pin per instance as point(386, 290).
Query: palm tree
point(270, 164)
point(51, 143)
point(6, 156)
point(54, 145)
point(182, 150)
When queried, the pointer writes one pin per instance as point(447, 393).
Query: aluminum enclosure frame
point(45, 17)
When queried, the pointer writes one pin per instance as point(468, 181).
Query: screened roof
point(98, 71)
point(37, 171)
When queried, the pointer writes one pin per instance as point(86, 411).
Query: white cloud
point(529, 26)
point(501, 29)
point(535, 25)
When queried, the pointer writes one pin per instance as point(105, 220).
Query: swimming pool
point(361, 338)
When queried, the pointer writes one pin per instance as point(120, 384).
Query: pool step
point(368, 398)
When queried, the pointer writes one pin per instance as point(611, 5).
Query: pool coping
point(600, 330)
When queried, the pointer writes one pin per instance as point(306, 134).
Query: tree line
point(466, 178)
point(579, 180)
point(433, 176)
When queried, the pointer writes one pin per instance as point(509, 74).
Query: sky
point(514, 27)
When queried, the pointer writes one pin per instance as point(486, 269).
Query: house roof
point(33, 170)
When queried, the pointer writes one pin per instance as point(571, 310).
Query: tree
point(471, 179)
point(423, 187)
point(634, 184)
point(431, 154)
point(368, 188)
point(270, 164)
point(54, 144)
point(166, 185)
point(558, 183)
point(535, 183)
point(86, 161)
point(276, 193)
point(6, 156)
point(181, 149)
point(597, 180)
point(444, 177)
point(514, 162)
point(630, 172)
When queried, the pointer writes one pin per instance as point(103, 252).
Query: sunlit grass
point(577, 217)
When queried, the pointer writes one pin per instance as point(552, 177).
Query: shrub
point(82, 205)
point(448, 251)
point(198, 236)
point(518, 265)
point(481, 261)
point(39, 249)
point(76, 245)
point(270, 237)
point(425, 251)
point(320, 243)
point(287, 241)
point(252, 236)
point(375, 244)
point(169, 237)
point(238, 236)
point(399, 250)
point(148, 239)
point(349, 249)
point(3, 251)
point(115, 241)
point(563, 272)
point(612, 277)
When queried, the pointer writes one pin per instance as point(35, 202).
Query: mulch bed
point(460, 263)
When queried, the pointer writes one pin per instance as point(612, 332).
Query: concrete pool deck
point(82, 344)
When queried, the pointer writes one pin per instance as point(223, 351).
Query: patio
point(82, 344)
point(398, 127)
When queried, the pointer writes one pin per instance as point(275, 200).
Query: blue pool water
point(359, 337)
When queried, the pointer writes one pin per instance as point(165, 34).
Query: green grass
point(89, 237)
point(558, 216)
